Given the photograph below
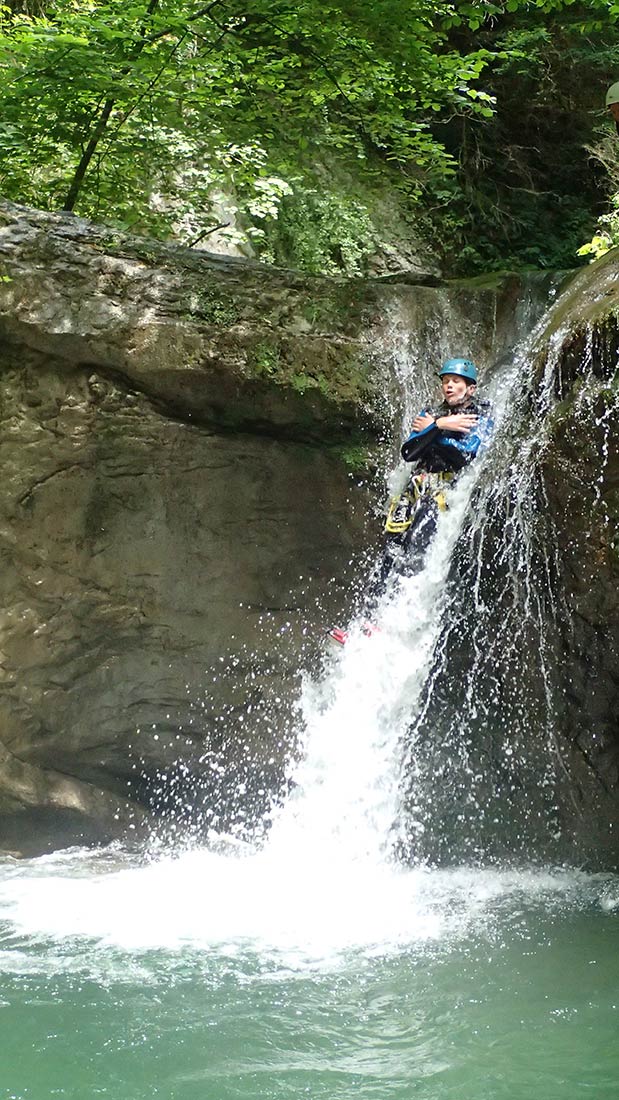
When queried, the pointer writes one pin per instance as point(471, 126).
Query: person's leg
point(419, 536)
point(391, 555)
point(404, 549)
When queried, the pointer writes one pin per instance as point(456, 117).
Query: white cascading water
point(347, 784)
point(325, 880)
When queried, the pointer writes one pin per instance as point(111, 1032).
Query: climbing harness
point(402, 509)
point(413, 506)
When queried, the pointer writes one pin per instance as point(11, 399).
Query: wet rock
point(579, 400)
point(148, 562)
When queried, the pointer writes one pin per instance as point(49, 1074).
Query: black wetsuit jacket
point(437, 450)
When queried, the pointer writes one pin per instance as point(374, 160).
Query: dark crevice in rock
point(43, 480)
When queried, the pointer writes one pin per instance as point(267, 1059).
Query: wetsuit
point(439, 456)
point(437, 450)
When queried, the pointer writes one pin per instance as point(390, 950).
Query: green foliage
point(527, 190)
point(605, 152)
point(265, 359)
point(322, 232)
point(606, 235)
point(212, 306)
point(107, 104)
point(600, 244)
point(488, 228)
point(172, 118)
point(358, 458)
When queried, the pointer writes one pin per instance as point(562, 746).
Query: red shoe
point(341, 636)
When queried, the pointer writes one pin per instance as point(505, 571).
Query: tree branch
point(87, 155)
point(100, 126)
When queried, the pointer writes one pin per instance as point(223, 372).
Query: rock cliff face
point(176, 436)
point(578, 395)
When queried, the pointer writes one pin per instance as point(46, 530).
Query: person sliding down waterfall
point(442, 442)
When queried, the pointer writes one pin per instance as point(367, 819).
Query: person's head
point(612, 100)
point(458, 380)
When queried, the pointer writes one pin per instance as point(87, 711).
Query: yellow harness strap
point(401, 508)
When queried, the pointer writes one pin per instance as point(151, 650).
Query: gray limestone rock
point(580, 467)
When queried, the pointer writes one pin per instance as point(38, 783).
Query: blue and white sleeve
point(418, 442)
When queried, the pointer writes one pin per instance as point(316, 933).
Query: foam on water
point(305, 917)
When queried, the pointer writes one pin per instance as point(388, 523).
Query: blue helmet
point(462, 367)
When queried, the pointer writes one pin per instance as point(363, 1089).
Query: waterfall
point(486, 775)
point(433, 739)
point(430, 741)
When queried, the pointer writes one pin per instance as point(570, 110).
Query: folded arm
point(470, 431)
